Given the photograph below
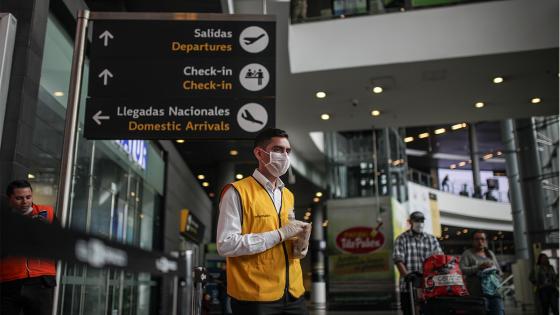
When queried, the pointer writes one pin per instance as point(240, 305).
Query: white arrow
point(106, 36)
point(105, 74)
point(97, 117)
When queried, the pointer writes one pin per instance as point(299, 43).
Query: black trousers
point(30, 297)
point(285, 306)
point(548, 297)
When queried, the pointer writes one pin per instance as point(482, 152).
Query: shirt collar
point(265, 182)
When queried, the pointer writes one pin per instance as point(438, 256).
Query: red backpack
point(443, 277)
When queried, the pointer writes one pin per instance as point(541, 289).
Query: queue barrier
point(23, 236)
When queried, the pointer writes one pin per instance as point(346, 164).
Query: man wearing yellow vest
point(27, 284)
point(259, 236)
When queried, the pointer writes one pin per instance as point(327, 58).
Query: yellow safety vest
point(263, 276)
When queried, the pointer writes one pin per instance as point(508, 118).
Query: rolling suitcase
point(455, 305)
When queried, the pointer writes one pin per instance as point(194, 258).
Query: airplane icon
point(249, 117)
point(252, 40)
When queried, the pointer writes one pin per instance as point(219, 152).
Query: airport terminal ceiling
point(420, 94)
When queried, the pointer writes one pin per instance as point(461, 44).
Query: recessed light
point(499, 153)
point(536, 100)
point(58, 93)
point(201, 176)
point(452, 166)
point(408, 139)
point(458, 126)
point(325, 116)
point(424, 135)
point(375, 113)
point(377, 89)
point(479, 104)
point(211, 195)
point(498, 80)
point(180, 141)
point(233, 152)
point(320, 94)
point(239, 176)
point(30, 176)
point(439, 131)
point(316, 199)
point(205, 184)
point(463, 163)
point(488, 156)
point(319, 194)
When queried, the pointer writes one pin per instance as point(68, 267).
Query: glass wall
point(357, 168)
point(117, 192)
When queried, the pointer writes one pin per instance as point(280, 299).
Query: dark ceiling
point(200, 6)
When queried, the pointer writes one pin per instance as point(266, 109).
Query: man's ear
point(256, 153)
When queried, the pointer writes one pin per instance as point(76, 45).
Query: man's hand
point(485, 265)
point(293, 228)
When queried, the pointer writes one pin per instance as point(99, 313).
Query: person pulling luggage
point(411, 249)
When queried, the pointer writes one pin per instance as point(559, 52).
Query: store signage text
point(360, 240)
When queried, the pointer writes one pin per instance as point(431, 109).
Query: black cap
point(417, 216)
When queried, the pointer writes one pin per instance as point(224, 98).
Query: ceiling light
point(424, 135)
point(320, 94)
point(458, 126)
point(180, 141)
point(408, 139)
point(58, 93)
point(211, 195)
point(498, 80)
point(375, 113)
point(463, 163)
point(499, 153)
point(439, 131)
point(205, 184)
point(325, 116)
point(458, 233)
point(465, 231)
point(377, 89)
point(479, 104)
point(319, 194)
point(239, 176)
point(326, 223)
point(201, 176)
point(535, 100)
point(488, 156)
point(233, 152)
point(452, 166)
point(30, 176)
point(315, 199)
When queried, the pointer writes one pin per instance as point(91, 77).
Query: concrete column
point(531, 183)
point(473, 145)
point(318, 245)
point(515, 194)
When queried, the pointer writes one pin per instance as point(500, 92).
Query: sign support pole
point(70, 128)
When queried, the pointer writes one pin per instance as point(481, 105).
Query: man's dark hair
point(21, 183)
point(479, 232)
point(264, 137)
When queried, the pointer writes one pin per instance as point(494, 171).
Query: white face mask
point(278, 164)
point(418, 227)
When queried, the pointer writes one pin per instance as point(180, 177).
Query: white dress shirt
point(230, 241)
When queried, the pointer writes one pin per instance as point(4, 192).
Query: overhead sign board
point(200, 78)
